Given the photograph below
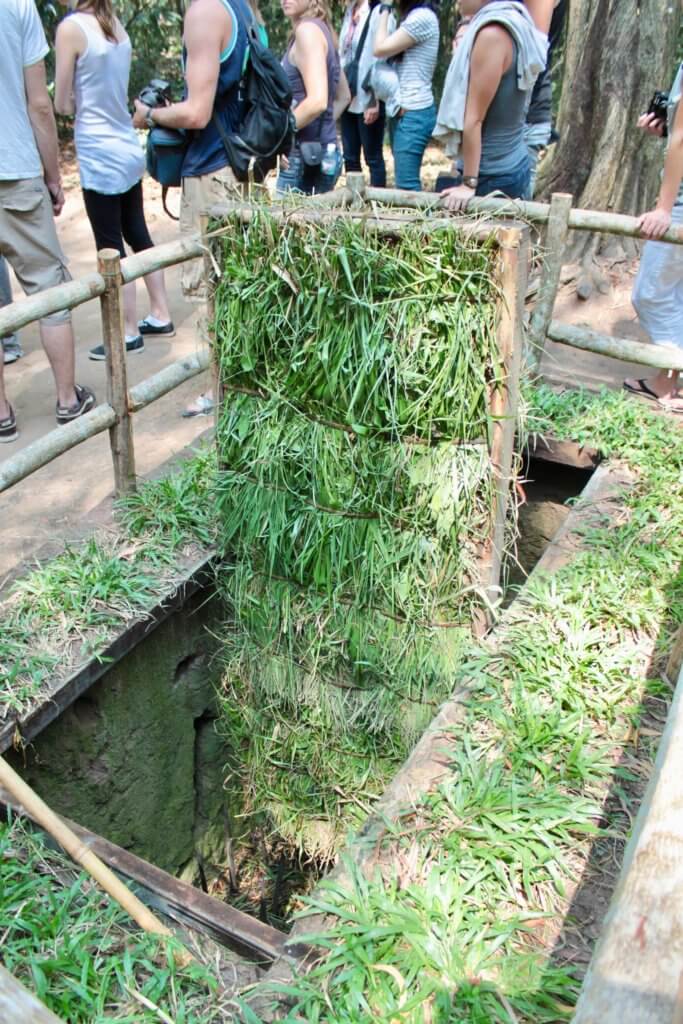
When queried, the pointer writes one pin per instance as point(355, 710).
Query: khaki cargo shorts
point(198, 194)
point(28, 239)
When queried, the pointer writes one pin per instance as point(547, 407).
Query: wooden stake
point(47, 819)
point(355, 183)
point(512, 275)
point(113, 335)
point(19, 1006)
point(555, 241)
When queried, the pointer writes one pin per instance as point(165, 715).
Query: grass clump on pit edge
point(65, 940)
point(65, 610)
point(354, 500)
point(461, 916)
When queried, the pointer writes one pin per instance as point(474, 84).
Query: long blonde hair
point(104, 12)
point(320, 9)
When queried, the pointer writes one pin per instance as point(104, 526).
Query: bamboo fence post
point(555, 241)
point(79, 852)
point(209, 311)
point(355, 182)
point(513, 260)
point(121, 433)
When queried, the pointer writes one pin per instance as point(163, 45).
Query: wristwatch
point(149, 120)
point(471, 181)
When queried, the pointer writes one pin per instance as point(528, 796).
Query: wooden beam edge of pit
point(636, 974)
point(183, 903)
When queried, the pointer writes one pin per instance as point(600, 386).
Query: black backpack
point(267, 125)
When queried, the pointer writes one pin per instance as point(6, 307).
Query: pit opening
point(141, 760)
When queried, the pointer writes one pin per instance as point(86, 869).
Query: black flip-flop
point(643, 391)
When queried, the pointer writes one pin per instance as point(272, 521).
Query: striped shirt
point(416, 67)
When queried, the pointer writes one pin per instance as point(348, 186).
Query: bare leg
point(58, 342)
point(130, 319)
point(158, 299)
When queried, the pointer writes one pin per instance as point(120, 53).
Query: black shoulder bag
point(351, 69)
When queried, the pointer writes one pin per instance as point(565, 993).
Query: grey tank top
point(502, 133)
point(323, 129)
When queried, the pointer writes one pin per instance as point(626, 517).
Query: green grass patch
point(459, 920)
point(66, 610)
point(75, 948)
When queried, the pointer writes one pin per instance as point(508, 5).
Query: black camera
point(659, 106)
point(156, 93)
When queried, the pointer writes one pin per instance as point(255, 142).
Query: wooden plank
point(658, 356)
point(23, 728)
point(636, 974)
point(114, 338)
point(51, 445)
point(19, 1006)
point(554, 246)
point(181, 902)
point(563, 453)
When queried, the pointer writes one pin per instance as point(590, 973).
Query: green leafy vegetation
point(67, 609)
point(354, 502)
point(70, 944)
point(466, 917)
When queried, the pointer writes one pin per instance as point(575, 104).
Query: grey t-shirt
point(416, 68)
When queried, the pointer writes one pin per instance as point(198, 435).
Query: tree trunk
point(617, 52)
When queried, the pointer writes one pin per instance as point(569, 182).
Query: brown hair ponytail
point(104, 12)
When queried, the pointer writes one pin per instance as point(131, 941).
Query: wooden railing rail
point(115, 414)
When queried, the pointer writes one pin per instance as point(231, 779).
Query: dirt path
point(49, 500)
point(59, 494)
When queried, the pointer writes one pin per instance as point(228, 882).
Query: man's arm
point(657, 221)
point(387, 45)
point(42, 118)
point(204, 38)
point(491, 56)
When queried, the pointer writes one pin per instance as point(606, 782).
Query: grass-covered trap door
point(369, 374)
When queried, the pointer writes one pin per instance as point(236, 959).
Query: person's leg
point(10, 343)
point(351, 140)
point(411, 135)
point(658, 300)
point(31, 246)
point(372, 139)
point(106, 220)
point(136, 234)
point(8, 422)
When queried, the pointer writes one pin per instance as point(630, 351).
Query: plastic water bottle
point(328, 164)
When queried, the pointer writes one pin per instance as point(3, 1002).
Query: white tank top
point(110, 158)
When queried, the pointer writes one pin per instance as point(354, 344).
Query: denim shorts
point(514, 184)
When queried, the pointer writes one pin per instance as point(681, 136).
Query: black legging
point(117, 218)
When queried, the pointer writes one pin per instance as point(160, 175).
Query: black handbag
point(311, 153)
point(351, 69)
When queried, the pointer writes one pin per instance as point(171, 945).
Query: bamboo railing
point(114, 415)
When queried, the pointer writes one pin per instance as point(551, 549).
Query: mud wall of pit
point(137, 758)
